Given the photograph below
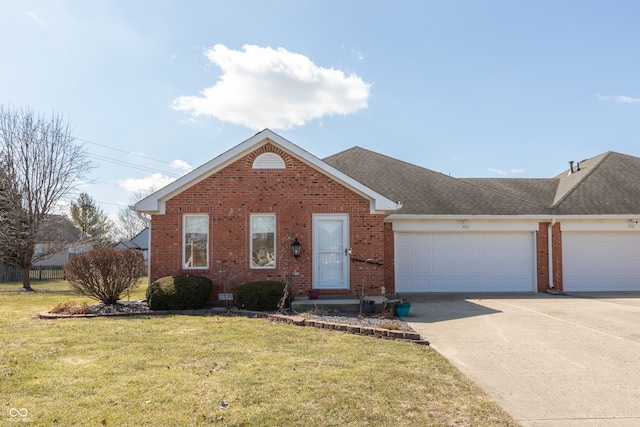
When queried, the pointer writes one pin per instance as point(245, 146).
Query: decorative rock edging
point(407, 336)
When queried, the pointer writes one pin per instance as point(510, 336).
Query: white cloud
point(182, 165)
point(34, 17)
point(505, 172)
point(137, 185)
point(80, 183)
point(497, 171)
point(264, 87)
point(620, 99)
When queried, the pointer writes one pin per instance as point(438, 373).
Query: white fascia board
point(621, 225)
point(154, 204)
point(419, 217)
point(416, 217)
point(465, 226)
point(597, 217)
point(542, 218)
point(464, 223)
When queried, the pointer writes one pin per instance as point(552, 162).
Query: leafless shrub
point(105, 274)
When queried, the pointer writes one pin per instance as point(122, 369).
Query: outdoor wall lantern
point(296, 246)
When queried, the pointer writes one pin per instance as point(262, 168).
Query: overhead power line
point(129, 164)
point(125, 151)
point(132, 165)
point(102, 158)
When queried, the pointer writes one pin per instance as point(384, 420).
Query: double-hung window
point(195, 238)
point(263, 241)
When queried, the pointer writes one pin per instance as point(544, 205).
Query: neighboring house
point(58, 240)
point(140, 242)
point(235, 217)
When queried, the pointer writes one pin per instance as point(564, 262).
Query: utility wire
point(126, 164)
point(125, 151)
point(113, 204)
point(131, 165)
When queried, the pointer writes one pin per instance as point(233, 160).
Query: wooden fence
point(9, 274)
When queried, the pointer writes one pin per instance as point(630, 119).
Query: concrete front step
point(329, 303)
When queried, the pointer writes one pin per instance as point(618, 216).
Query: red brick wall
point(542, 256)
point(389, 255)
point(293, 194)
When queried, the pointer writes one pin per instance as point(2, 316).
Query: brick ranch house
point(363, 218)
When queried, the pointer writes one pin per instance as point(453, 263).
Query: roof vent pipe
point(571, 166)
point(550, 249)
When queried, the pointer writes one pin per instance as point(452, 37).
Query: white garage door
point(465, 262)
point(600, 261)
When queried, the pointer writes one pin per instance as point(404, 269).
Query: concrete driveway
point(565, 360)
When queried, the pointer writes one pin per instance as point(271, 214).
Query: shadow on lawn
point(37, 290)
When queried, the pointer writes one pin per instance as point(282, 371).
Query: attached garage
point(465, 261)
point(601, 261)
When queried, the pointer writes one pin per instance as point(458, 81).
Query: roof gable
point(607, 184)
point(141, 240)
point(155, 203)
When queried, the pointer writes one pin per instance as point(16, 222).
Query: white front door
point(330, 251)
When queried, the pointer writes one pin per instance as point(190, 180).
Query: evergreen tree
point(12, 219)
point(91, 220)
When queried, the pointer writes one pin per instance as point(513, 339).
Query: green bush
point(262, 295)
point(179, 293)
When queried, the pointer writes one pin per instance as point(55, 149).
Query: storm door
point(331, 251)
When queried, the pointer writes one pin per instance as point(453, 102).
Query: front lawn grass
point(214, 370)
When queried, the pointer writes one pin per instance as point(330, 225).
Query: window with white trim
point(263, 241)
point(195, 238)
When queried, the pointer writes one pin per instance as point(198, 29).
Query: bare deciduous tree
point(41, 163)
point(129, 222)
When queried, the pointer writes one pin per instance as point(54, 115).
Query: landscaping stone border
point(407, 336)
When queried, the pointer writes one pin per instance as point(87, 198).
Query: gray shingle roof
point(606, 184)
point(58, 228)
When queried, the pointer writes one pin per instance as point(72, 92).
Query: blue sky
point(467, 88)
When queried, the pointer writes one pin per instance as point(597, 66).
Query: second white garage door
point(600, 261)
point(464, 262)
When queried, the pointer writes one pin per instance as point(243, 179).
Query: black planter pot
point(367, 306)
